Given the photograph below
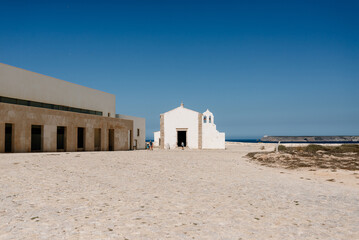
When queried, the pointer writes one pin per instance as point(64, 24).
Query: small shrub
point(345, 148)
point(313, 148)
point(251, 154)
point(282, 148)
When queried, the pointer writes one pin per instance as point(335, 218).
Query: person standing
point(182, 144)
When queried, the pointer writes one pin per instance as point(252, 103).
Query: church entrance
point(181, 138)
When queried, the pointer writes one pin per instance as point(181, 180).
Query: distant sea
point(258, 140)
point(243, 140)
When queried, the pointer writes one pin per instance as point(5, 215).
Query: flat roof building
point(139, 130)
point(41, 113)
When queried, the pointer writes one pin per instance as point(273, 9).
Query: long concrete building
point(44, 114)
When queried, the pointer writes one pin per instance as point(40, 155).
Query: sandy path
point(170, 194)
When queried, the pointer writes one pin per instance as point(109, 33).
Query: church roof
point(180, 108)
point(208, 112)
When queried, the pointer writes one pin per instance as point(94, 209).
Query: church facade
point(193, 130)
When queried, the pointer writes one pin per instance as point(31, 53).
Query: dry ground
point(172, 195)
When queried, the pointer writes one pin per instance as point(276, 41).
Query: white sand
point(172, 194)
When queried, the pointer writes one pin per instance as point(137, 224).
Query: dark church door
point(181, 138)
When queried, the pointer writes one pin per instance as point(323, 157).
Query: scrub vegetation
point(345, 156)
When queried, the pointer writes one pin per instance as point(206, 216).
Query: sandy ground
point(213, 194)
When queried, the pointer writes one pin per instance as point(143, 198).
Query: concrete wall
point(22, 117)
point(156, 138)
point(23, 84)
point(181, 118)
point(138, 123)
point(211, 138)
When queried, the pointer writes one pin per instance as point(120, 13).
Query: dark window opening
point(204, 119)
point(8, 137)
point(209, 119)
point(111, 139)
point(80, 138)
point(61, 138)
point(138, 132)
point(36, 138)
point(8, 100)
point(47, 106)
point(22, 102)
point(181, 138)
point(97, 139)
point(35, 104)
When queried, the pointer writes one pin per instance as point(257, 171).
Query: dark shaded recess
point(181, 138)
point(36, 138)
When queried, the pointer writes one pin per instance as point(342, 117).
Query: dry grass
point(345, 156)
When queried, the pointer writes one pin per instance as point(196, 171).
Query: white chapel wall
point(181, 118)
point(211, 138)
point(156, 140)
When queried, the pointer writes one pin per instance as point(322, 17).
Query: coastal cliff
point(311, 139)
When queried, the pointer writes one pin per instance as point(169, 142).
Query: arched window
point(205, 119)
point(210, 119)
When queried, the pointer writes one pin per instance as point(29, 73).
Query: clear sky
point(262, 67)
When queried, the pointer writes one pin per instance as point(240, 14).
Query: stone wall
point(23, 117)
point(200, 131)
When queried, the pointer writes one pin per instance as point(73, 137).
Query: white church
point(193, 130)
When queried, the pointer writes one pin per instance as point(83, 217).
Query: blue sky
point(262, 67)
